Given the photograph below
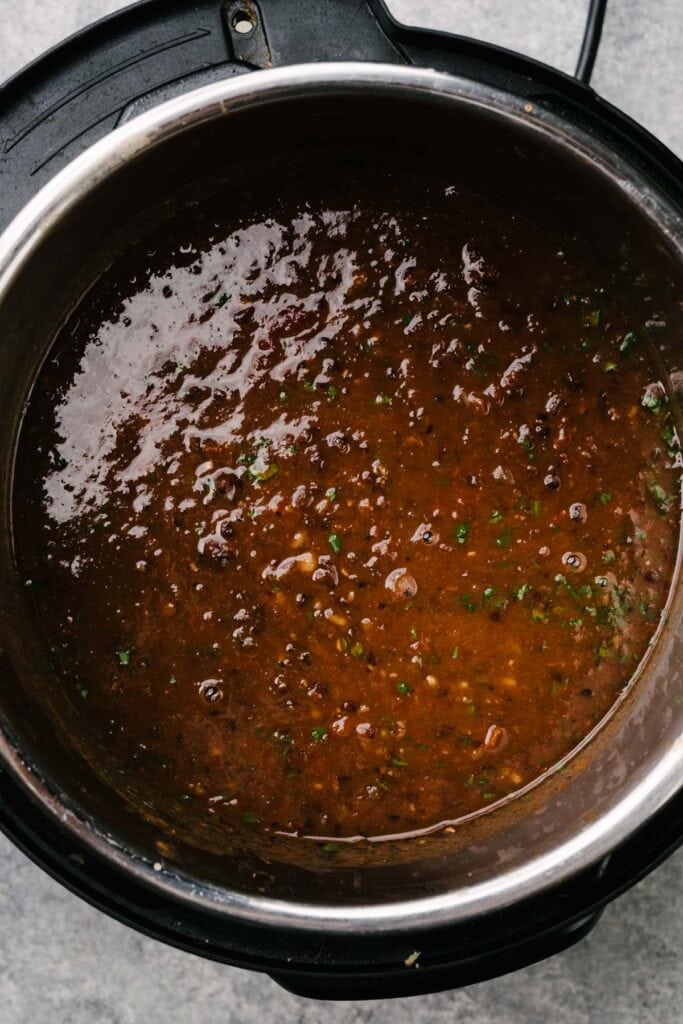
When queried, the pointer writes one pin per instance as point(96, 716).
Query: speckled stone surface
point(61, 962)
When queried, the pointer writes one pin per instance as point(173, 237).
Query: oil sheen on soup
point(347, 505)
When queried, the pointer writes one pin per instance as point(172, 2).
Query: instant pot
point(96, 139)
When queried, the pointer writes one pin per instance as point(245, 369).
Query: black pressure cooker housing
point(50, 113)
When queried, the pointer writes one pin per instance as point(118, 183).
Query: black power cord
point(591, 40)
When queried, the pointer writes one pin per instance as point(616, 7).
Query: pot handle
point(262, 34)
point(245, 22)
point(353, 29)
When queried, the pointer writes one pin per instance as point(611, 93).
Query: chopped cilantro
point(402, 688)
point(335, 542)
point(319, 733)
point(496, 517)
point(461, 532)
point(264, 474)
point(124, 655)
point(662, 500)
point(603, 652)
point(527, 446)
point(653, 401)
point(504, 539)
point(669, 436)
point(628, 342)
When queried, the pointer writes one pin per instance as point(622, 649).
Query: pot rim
point(54, 202)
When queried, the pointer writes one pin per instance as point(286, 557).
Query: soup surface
point(349, 515)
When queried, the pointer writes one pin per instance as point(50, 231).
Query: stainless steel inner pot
point(532, 161)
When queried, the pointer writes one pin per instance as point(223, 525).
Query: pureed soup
point(347, 504)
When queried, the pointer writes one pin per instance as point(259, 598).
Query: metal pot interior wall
point(527, 167)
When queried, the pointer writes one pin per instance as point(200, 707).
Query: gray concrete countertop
point(61, 962)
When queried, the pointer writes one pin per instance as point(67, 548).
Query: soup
point(347, 506)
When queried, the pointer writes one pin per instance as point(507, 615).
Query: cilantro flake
point(335, 542)
point(461, 532)
point(124, 655)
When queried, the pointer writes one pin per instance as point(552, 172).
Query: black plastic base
point(416, 979)
point(49, 114)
